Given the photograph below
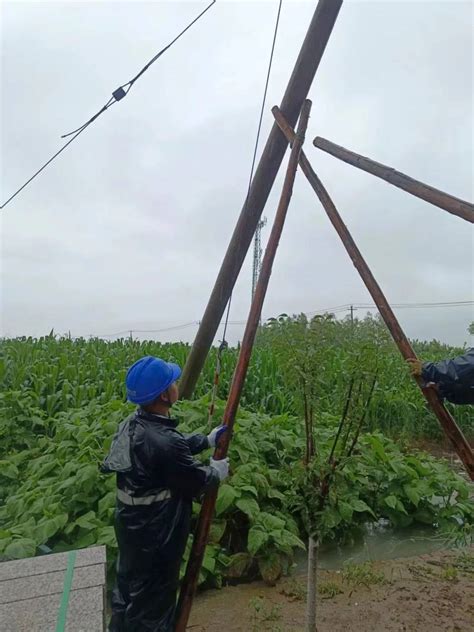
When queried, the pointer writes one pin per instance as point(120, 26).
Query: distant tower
point(257, 253)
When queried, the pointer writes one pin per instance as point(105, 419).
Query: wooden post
point(449, 203)
point(447, 422)
point(299, 84)
point(190, 579)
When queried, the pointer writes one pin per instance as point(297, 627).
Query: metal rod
point(443, 200)
point(299, 84)
point(190, 579)
point(459, 441)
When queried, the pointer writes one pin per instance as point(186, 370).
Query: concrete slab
point(49, 563)
point(49, 583)
point(40, 614)
point(29, 601)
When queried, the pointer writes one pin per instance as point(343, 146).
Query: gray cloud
point(128, 228)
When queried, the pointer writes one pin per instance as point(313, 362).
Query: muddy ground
point(429, 593)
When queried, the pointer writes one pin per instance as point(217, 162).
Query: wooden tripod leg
point(452, 430)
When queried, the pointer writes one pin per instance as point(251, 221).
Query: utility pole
point(196, 555)
point(306, 65)
point(257, 254)
point(352, 310)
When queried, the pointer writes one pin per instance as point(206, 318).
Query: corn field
point(51, 375)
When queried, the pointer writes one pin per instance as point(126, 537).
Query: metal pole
point(447, 422)
point(449, 203)
point(299, 84)
point(190, 579)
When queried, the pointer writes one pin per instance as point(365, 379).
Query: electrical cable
point(117, 96)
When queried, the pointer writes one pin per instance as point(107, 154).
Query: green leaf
point(249, 488)
point(287, 540)
point(226, 497)
point(88, 521)
point(401, 507)
point(378, 448)
point(412, 494)
point(106, 503)
point(331, 518)
point(209, 561)
point(260, 481)
point(106, 536)
point(361, 506)
point(274, 493)
point(18, 549)
point(248, 506)
point(345, 510)
point(391, 501)
point(8, 470)
point(243, 454)
point(256, 539)
point(88, 473)
point(270, 568)
point(217, 530)
point(238, 565)
point(271, 522)
point(85, 540)
point(47, 528)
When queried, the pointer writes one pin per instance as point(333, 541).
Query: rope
point(223, 346)
point(117, 96)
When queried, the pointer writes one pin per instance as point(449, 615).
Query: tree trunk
point(311, 585)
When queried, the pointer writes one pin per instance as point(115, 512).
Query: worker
point(157, 479)
point(453, 379)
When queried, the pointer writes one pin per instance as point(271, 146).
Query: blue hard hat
point(148, 378)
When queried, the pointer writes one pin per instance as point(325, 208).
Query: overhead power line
point(117, 96)
point(327, 310)
point(347, 306)
point(257, 249)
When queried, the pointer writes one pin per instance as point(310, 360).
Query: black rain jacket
point(455, 378)
point(152, 538)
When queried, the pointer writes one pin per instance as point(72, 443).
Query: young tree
point(315, 357)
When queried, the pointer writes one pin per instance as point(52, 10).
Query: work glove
point(416, 366)
point(214, 436)
point(221, 467)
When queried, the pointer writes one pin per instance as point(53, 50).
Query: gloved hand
point(416, 366)
point(214, 436)
point(221, 467)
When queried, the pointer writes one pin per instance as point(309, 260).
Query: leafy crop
point(54, 494)
point(62, 399)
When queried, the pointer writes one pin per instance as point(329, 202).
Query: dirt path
point(430, 593)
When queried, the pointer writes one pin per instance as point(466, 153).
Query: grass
point(356, 575)
point(450, 574)
point(293, 589)
point(465, 563)
point(329, 589)
point(263, 614)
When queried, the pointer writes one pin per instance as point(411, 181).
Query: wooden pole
point(449, 203)
point(459, 441)
point(299, 84)
point(190, 579)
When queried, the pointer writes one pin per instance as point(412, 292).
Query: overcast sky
point(127, 229)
